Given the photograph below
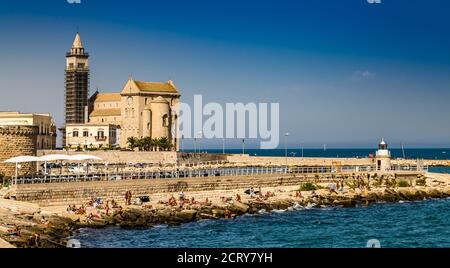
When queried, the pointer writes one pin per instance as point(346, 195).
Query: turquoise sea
point(424, 224)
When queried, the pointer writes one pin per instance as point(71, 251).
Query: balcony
point(101, 138)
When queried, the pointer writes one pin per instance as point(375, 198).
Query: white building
point(85, 136)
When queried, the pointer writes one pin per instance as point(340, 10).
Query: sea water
point(422, 224)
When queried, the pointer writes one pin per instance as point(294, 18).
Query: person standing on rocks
point(128, 197)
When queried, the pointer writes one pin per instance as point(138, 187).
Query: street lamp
point(200, 134)
point(182, 143)
point(285, 148)
point(223, 146)
point(243, 146)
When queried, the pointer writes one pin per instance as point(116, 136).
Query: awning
point(53, 157)
point(22, 159)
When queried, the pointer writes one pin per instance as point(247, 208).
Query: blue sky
point(344, 72)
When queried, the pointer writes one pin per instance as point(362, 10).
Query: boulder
point(186, 215)
point(239, 207)
point(220, 213)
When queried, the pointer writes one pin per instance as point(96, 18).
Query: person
point(182, 196)
point(298, 194)
point(238, 198)
point(332, 188)
point(128, 197)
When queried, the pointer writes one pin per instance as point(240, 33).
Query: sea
point(423, 224)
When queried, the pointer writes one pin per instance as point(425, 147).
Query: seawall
point(79, 192)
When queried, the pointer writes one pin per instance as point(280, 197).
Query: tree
point(147, 143)
point(132, 143)
point(165, 144)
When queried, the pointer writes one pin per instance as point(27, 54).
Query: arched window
point(165, 120)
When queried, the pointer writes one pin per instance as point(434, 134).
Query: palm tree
point(165, 144)
point(147, 143)
point(132, 143)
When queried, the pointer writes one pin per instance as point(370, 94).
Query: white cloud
point(363, 75)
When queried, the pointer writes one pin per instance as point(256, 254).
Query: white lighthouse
point(383, 157)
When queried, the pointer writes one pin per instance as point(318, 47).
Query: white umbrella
point(21, 159)
point(55, 157)
point(83, 157)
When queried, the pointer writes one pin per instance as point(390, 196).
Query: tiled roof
point(106, 112)
point(156, 86)
point(107, 97)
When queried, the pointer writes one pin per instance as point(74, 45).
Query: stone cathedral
point(141, 109)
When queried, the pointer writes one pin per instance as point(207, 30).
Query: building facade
point(45, 126)
point(85, 136)
point(141, 109)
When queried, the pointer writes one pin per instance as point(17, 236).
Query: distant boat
point(324, 147)
point(444, 152)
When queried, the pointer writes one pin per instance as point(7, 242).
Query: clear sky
point(345, 73)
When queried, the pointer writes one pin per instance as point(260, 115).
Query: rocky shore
point(25, 225)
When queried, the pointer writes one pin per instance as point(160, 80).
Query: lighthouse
point(383, 157)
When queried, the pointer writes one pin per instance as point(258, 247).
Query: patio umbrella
point(21, 159)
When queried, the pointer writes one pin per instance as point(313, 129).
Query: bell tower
point(77, 83)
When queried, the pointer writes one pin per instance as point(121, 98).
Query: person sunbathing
point(15, 231)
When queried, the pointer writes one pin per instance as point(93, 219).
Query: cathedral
point(141, 109)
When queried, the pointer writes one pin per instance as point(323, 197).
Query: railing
point(203, 173)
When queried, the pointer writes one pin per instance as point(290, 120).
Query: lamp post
point(182, 143)
point(243, 146)
point(223, 146)
point(303, 155)
point(200, 134)
point(286, 149)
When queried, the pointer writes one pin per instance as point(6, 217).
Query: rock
point(131, 214)
point(186, 215)
point(347, 203)
point(282, 204)
point(239, 207)
point(220, 213)
point(389, 195)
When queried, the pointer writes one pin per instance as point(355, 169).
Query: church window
point(165, 120)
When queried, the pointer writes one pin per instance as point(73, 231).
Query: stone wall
point(158, 189)
point(68, 193)
point(17, 141)
point(298, 161)
point(122, 157)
